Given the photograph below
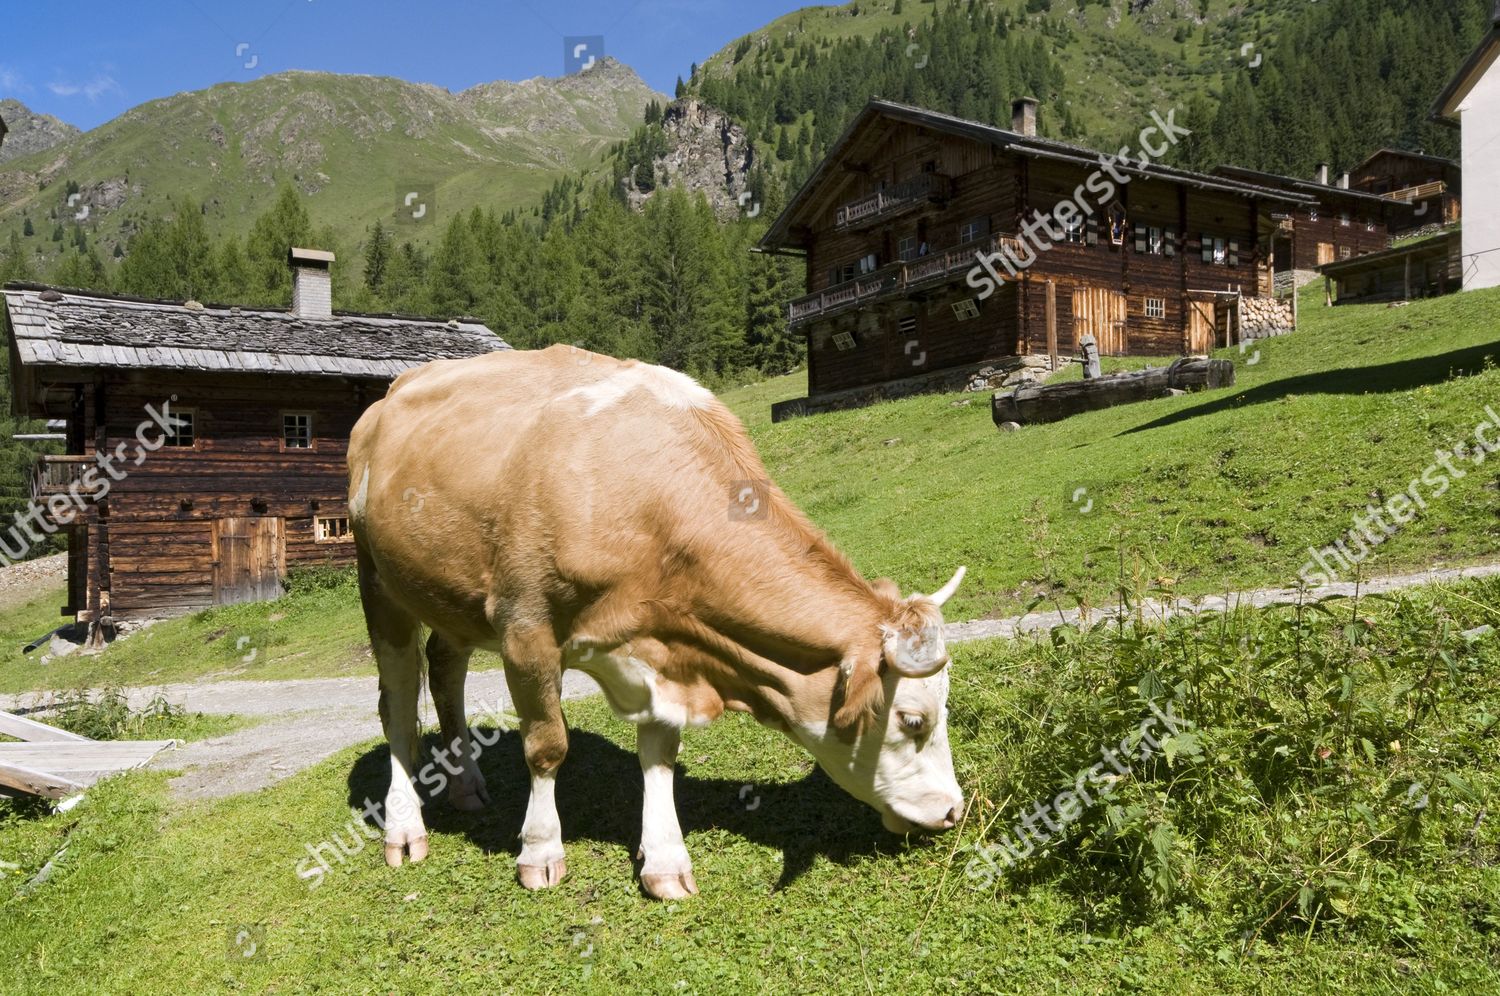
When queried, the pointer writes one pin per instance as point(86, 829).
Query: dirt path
point(306, 721)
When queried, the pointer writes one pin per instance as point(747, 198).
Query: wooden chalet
point(1341, 222)
point(892, 222)
point(1432, 185)
point(251, 411)
point(1471, 103)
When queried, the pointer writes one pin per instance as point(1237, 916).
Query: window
point(1221, 252)
point(906, 249)
point(868, 264)
point(973, 230)
point(296, 431)
point(1156, 307)
point(908, 325)
point(1344, 220)
point(1073, 230)
point(841, 274)
point(1312, 215)
point(843, 341)
point(182, 431)
point(1369, 226)
point(333, 530)
point(1150, 240)
point(1345, 252)
point(966, 309)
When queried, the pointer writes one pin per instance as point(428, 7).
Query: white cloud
point(93, 89)
point(11, 81)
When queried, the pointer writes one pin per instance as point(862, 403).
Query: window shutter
point(1234, 253)
point(1169, 242)
point(1208, 248)
point(1140, 238)
point(1093, 235)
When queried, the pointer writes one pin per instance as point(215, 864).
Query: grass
point(1272, 880)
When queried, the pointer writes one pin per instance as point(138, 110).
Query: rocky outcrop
point(706, 151)
point(30, 132)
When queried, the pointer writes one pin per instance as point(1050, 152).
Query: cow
point(569, 510)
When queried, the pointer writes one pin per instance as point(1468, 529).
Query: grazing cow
point(569, 510)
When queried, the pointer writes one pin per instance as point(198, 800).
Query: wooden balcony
point(1411, 195)
point(55, 474)
point(924, 188)
point(896, 280)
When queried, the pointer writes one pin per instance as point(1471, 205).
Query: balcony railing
point(882, 204)
point(54, 474)
point(896, 279)
point(1418, 193)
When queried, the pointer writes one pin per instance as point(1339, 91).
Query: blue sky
point(86, 61)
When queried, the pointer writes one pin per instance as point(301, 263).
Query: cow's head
point(888, 745)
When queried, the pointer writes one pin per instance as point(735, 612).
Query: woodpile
point(1264, 317)
point(1054, 402)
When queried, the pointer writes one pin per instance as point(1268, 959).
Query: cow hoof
point(416, 846)
point(671, 886)
point(541, 876)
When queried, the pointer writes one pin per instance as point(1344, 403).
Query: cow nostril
point(952, 819)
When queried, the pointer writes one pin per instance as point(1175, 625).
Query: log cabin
point(1341, 223)
point(224, 429)
point(893, 223)
point(1432, 185)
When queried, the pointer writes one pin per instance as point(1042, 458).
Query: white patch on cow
point(541, 832)
point(908, 779)
point(676, 390)
point(361, 497)
point(633, 688)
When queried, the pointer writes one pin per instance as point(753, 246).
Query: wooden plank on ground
point(30, 730)
point(73, 758)
point(36, 782)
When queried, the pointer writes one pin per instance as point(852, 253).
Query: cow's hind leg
point(533, 672)
point(666, 869)
point(395, 637)
point(447, 668)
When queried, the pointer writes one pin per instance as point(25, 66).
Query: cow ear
point(858, 696)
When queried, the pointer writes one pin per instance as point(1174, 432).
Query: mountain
point(30, 132)
point(354, 145)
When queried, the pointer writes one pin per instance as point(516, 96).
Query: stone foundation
point(991, 375)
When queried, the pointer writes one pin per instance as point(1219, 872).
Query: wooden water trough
point(1040, 403)
point(57, 764)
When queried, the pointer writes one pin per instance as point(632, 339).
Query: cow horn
point(946, 591)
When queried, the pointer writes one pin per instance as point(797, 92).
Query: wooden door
point(1202, 327)
point(1100, 312)
point(249, 559)
point(1325, 253)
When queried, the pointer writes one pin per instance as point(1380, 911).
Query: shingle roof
point(56, 328)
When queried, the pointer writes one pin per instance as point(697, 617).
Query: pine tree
point(377, 257)
point(272, 238)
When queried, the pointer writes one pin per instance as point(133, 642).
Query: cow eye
point(913, 723)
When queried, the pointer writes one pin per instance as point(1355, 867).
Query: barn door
point(249, 559)
point(1100, 312)
point(1325, 253)
point(1202, 327)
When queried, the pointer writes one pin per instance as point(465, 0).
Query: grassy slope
point(1208, 492)
point(801, 890)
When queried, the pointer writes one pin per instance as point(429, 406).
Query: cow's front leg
point(533, 672)
point(666, 870)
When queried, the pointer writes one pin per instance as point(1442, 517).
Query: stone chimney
point(312, 283)
point(1023, 116)
point(1343, 181)
point(1323, 174)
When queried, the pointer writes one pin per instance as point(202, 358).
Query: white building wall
point(1480, 116)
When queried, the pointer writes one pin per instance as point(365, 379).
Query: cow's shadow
point(599, 797)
